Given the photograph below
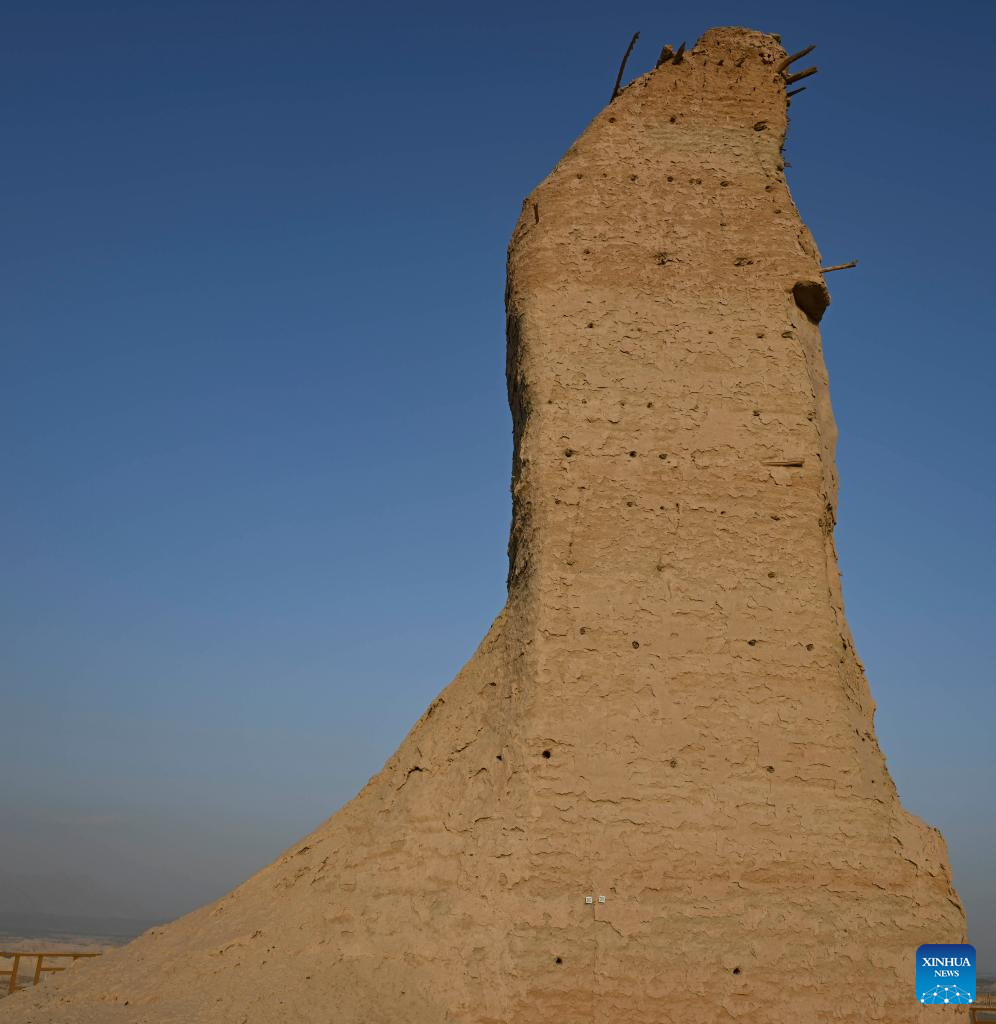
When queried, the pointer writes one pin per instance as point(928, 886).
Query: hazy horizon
point(257, 441)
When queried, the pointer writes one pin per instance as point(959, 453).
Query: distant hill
point(55, 926)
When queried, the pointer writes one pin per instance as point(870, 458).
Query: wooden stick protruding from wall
point(622, 66)
point(793, 57)
point(800, 75)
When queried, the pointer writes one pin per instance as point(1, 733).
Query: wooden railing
point(40, 967)
point(984, 1003)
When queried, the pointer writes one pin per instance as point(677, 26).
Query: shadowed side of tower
point(669, 712)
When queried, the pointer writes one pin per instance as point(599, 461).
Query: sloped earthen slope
point(669, 712)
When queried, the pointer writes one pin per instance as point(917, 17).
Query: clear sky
point(256, 444)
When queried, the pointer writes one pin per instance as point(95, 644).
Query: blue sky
point(256, 442)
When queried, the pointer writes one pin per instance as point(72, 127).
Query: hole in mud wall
point(559, 960)
point(546, 753)
point(812, 298)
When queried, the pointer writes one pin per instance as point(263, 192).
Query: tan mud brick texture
point(669, 712)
